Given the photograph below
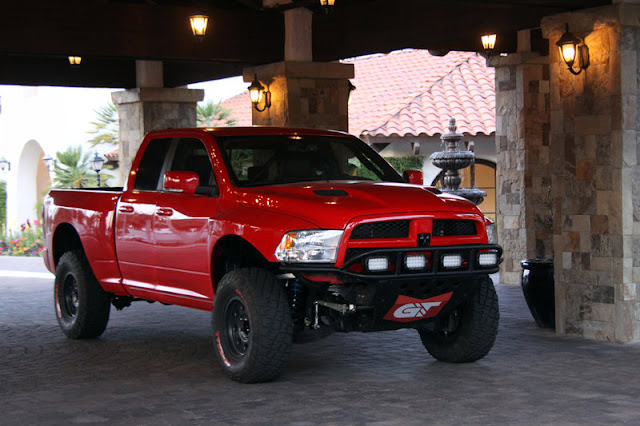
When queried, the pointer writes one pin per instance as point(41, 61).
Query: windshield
point(277, 159)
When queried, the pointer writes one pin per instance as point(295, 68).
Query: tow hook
point(343, 309)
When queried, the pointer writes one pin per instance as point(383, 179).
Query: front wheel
point(252, 327)
point(82, 306)
point(469, 331)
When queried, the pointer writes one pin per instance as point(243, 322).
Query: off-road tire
point(475, 326)
point(82, 306)
point(252, 326)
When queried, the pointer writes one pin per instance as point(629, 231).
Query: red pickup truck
point(284, 235)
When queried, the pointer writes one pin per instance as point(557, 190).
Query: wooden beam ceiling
point(110, 35)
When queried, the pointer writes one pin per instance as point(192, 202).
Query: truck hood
point(332, 204)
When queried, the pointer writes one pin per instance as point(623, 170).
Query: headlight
point(312, 246)
point(492, 232)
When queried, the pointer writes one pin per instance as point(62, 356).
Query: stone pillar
point(522, 146)
point(304, 94)
point(151, 107)
point(298, 34)
point(596, 175)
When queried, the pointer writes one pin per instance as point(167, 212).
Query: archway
point(485, 177)
point(32, 181)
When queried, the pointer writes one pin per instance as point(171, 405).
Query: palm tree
point(106, 126)
point(72, 169)
point(214, 114)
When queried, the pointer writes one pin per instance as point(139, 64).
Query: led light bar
point(377, 264)
point(415, 261)
point(487, 259)
point(451, 261)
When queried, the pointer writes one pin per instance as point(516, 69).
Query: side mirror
point(413, 176)
point(184, 182)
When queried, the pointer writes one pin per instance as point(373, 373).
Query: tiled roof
point(410, 93)
point(112, 155)
point(240, 106)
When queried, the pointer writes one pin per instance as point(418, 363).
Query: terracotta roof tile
point(411, 92)
point(112, 155)
point(240, 106)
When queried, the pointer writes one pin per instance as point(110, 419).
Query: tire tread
point(479, 330)
point(271, 326)
point(91, 319)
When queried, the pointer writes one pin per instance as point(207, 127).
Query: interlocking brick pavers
point(155, 365)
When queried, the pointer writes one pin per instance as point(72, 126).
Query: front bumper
point(400, 297)
point(354, 268)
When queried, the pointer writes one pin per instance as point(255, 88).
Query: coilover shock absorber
point(297, 300)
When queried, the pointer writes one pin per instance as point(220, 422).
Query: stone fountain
point(453, 159)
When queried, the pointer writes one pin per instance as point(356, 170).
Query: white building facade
point(36, 122)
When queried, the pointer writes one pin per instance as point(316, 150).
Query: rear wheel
point(469, 331)
point(82, 306)
point(252, 327)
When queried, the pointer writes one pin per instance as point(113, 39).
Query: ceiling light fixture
point(488, 42)
point(74, 61)
point(327, 5)
point(199, 25)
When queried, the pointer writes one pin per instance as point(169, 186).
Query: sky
point(59, 117)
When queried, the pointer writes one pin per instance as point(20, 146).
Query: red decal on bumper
point(407, 309)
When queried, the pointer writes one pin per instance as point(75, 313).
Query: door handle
point(164, 211)
point(125, 209)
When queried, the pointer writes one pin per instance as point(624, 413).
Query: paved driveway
point(155, 365)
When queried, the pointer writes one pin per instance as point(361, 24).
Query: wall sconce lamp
point(327, 5)
point(199, 25)
point(350, 88)
point(5, 165)
point(48, 161)
point(488, 42)
point(257, 91)
point(570, 51)
point(74, 61)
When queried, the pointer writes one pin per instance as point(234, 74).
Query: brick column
point(522, 147)
point(596, 176)
point(304, 94)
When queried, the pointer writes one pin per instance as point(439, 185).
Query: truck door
point(182, 227)
point(135, 243)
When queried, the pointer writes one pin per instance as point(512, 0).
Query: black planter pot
point(538, 289)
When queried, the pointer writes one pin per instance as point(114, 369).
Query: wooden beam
point(442, 25)
point(138, 31)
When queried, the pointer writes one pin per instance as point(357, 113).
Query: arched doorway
point(32, 181)
point(485, 172)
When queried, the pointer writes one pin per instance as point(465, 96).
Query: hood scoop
point(331, 192)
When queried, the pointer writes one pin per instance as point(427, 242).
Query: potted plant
point(537, 275)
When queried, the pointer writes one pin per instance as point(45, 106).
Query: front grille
point(453, 227)
point(388, 229)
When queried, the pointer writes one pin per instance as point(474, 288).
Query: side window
point(148, 176)
point(191, 156)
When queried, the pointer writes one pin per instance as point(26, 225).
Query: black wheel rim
point(69, 302)
point(237, 328)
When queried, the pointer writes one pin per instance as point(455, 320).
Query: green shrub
point(413, 162)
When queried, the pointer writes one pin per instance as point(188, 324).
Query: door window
point(191, 156)
point(150, 169)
